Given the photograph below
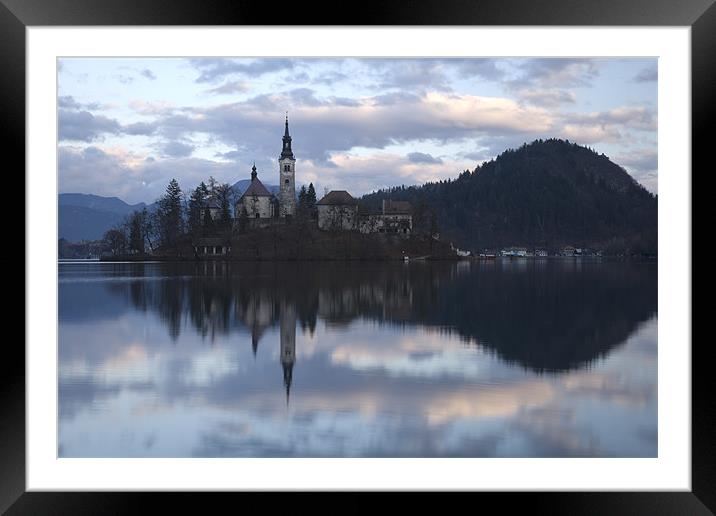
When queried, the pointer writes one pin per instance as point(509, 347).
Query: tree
point(208, 222)
point(222, 194)
point(302, 208)
point(135, 228)
point(311, 200)
point(197, 202)
point(115, 241)
point(169, 213)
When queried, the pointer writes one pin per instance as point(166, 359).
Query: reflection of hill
point(545, 315)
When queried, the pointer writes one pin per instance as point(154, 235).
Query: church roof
point(337, 197)
point(256, 188)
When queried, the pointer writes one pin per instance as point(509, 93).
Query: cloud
point(230, 87)
point(177, 149)
point(69, 102)
point(321, 126)
point(641, 159)
point(84, 126)
point(419, 157)
point(133, 177)
point(213, 69)
point(546, 98)
point(632, 117)
point(148, 74)
point(553, 72)
point(648, 74)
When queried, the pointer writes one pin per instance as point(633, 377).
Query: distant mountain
point(548, 193)
point(97, 202)
point(87, 216)
point(77, 223)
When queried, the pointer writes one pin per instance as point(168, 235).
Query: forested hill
point(548, 193)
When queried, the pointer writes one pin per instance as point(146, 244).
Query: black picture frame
point(17, 15)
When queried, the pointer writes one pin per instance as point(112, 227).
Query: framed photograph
point(444, 248)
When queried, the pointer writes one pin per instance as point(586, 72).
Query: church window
point(286, 181)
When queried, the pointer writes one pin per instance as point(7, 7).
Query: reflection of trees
point(545, 315)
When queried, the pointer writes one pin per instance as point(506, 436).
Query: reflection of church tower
point(288, 343)
point(287, 176)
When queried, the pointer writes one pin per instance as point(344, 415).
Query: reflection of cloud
point(488, 402)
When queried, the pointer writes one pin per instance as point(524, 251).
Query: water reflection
point(427, 359)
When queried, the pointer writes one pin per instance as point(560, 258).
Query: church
point(336, 211)
point(257, 204)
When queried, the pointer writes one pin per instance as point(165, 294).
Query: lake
point(505, 358)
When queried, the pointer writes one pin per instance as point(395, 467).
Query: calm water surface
point(525, 358)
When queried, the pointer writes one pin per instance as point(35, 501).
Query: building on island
point(394, 217)
point(211, 246)
point(256, 202)
point(287, 176)
point(337, 210)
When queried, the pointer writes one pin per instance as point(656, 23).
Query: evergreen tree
point(169, 212)
point(302, 208)
point(135, 229)
point(196, 206)
point(311, 200)
point(208, 222)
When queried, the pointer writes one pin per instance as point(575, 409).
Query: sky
point(127, 126)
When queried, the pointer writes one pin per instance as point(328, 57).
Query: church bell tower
point(287, 176)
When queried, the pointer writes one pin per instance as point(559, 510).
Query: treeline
point(177, 219)
point(549, 193)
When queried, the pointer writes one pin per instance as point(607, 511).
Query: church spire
point(286, 151)
point(253, 172)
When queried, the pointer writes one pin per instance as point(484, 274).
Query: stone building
point(287, 177)
point(337, 210)
point(394, 217)
point(256, 203)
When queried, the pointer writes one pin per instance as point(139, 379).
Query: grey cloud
point(213, 69)
point(230, 87)
point(69, 102)
point(641, 160)
point(87, 127)
point(418, 73)
point(557, 72)
point(94, 170)
point(139, 128)
point(482, 68)
point(257, 123)
point(176, 149)
point(148, 74)
point(649, 74)
point(84, 126)
point(633, 117)
point(546, 98)
point(419, 157)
